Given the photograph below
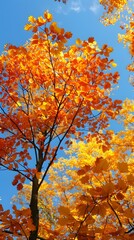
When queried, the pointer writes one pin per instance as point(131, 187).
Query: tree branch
point(115, 213)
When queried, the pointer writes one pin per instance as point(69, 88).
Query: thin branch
point(23, 231)
point(130, 230)
point(27, 105)
point(51, 61)
point(16, 170)
point(10, 232)
point(81, 223)
point(35, 146)
point(115, 213)
point(16, 126)
point(8, 130)
point(51, 162)
point(40, 163)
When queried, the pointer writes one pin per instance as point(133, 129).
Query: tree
point(51, 94)
point(49, 91)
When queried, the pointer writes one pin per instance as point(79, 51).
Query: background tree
point(121, 10)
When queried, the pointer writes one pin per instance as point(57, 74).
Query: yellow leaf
point(18, 104)
point(31, 19)
point(22, 66)
point(78, 41)
point(48, 16)
point(28, 27)
point(44, 105)
point(41, 21)
point(114, 64)
point(110, 49)
point(54, 28)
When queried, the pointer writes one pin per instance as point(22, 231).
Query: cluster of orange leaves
point(18, 226)
point(48, 88)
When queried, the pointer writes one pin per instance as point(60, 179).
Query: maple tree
point(51, 93)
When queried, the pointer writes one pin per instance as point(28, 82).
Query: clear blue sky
point(81, 17)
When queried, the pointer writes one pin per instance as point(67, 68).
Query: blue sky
point(81, 17)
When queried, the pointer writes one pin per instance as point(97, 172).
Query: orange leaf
point(63, 210)
point(120, 196)
point(1, 208)
point(107, 85)
point(19, 186)
point(78, 41)
point(91, 39)
point(123, 167)
point(14, 182)
point(68, 35)
point(38, 175)
point(31, 19)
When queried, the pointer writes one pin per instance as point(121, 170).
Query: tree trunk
point(34, 209)
point(34, 197)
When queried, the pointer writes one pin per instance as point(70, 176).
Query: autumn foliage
point(122, 11)
point(54, 97)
